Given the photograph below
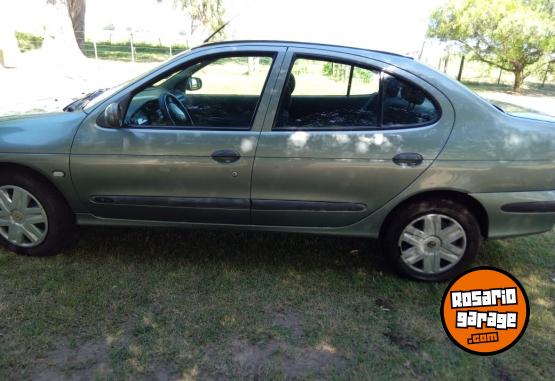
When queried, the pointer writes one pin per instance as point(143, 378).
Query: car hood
point(39, 133)
point(534, 116)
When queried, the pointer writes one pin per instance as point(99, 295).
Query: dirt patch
point(290, 321)
point(384, 304)
point(293, 362)
point(259, 360)
point(289, 359)
point(401, 341)
point(83, 362)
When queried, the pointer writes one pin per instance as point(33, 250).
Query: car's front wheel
point(34, 218)
point(432, 240)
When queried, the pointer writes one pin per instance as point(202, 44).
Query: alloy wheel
point(23, 220)
point(432, 243)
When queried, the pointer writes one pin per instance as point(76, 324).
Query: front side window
point(327, 94)
point(220, 92)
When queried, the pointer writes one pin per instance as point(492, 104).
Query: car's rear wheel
point(34, 218)
point(431, 240)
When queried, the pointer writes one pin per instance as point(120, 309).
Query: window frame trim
point(354, 62)
point(225, 54)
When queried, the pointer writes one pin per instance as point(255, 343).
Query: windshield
point(103, 95)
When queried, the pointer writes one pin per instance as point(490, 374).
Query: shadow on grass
point(273, 252)
point(245, 249)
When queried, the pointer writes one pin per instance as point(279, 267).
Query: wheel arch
point(474, 206)
point(8, 166)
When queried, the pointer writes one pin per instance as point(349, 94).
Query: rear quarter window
point(405, 104)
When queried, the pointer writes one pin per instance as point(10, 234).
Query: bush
point(28, 41)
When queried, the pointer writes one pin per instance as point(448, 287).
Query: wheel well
point(470, 202)
point(34, 173)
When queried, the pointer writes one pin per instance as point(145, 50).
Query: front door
point(186, 149)
point(347, 135)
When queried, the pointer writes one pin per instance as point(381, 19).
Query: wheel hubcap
point(432, 243)
point(23, 219)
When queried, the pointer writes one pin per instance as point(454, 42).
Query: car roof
point(455, 91)
point(297, 44)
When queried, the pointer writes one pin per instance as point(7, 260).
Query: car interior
point(326, 110)
point(403, 104)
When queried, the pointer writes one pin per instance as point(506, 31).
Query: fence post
point(421, 50)
point(171, 55)
point(132, 48)
point(95, 51)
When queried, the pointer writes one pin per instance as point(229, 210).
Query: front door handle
point(408, 159)
point(226, 156)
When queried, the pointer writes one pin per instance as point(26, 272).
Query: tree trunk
point(76, 9)
point(9, 49)
point(499, 78)
point(545, 75)
point(519, 79)
point(59, 45)
point(459, 76)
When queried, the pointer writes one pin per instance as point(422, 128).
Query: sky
point(393, 25)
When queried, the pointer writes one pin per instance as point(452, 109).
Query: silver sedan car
point(284, 136)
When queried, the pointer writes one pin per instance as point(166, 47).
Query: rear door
point(346, 135)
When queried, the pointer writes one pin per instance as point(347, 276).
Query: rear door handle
point(408, 159)
point(226, 156)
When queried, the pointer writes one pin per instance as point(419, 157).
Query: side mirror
point(193, 83)
point(112, 116)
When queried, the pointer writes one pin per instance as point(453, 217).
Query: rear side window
point(405, 104)
point(327, 94)
point(334, 95)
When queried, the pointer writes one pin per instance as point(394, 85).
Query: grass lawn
point(159, 304)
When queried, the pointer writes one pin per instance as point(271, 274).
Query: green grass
point(200, 304)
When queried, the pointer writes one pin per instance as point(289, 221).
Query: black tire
point(61, 220)
point(402, 217)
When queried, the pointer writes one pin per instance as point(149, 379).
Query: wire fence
point(130, 47)
point(131, 52)
point(125, 48)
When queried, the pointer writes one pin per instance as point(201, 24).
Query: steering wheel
point(174, 110)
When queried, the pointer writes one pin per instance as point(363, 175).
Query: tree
point(205, 16)
point(77, 9)
point(514, 35)
point(59, 42)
